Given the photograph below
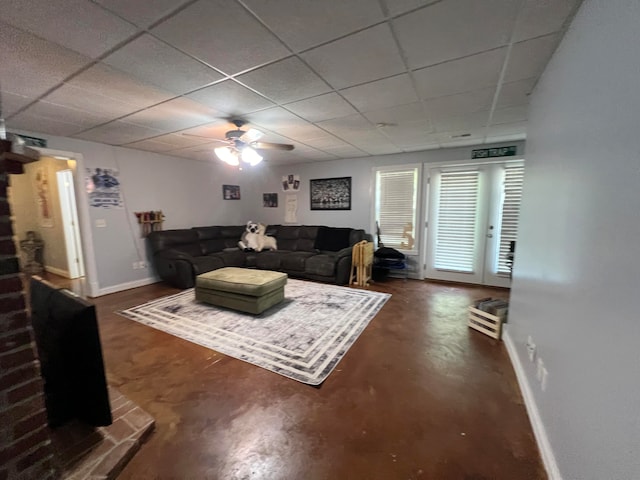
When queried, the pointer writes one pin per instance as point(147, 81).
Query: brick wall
point(25, 444)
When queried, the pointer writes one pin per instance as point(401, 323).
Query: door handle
point(489, 235)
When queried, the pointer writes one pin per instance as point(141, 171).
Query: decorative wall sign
point(291, 209)
point(331, 193)
point(43, 197)
point(231, 192)
point(495, 152)
point(290, 183)
point(269, 199)
point(103, 188)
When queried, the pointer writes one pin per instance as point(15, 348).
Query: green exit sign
point(495, 152)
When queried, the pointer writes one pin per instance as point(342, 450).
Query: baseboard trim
point(57, 271)
point(126, 286)
point(548, 457)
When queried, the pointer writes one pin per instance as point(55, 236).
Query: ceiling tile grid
point(335, 79)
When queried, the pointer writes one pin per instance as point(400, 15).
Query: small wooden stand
point(485, 322)
point(361, 263)
point(150, 221)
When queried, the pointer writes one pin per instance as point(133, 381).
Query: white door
point(472, 220)
point(70, 223)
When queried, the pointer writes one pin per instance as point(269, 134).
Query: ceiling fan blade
point(272, 146)
point(208, 138)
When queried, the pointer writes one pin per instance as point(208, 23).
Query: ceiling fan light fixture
point(252, 135)
point(227, 155)
point(250, 156)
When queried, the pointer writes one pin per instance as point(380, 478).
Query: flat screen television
point(68, 343)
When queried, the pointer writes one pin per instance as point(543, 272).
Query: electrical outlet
point(143, 264)
point(540, 369)
point(135, 265)
point(543, 380)
point(531, 349)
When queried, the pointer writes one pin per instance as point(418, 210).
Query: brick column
point(25, 443)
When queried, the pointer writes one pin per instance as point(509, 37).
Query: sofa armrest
point(345, 252)
point(175, 268)
point(172, 254)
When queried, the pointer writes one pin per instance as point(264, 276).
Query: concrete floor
point(418, 396)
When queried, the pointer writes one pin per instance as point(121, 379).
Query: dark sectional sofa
point(313, 252)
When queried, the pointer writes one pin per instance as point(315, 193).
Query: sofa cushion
point(322, 264)
point(295, 261)
point(270, 260)
point(161, 240)
point(232, 258)
point(207, 263)
point(332, 239)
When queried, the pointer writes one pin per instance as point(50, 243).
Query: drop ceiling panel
point(30, 66)
point(26, 121)
point(514, 114)
point(325, 141)
point(411, 137)
point(516, 128)
point(346, 151)
point(453, 29)
point(11, 102)
point(153, 61)
point(459, 76)
point(322, 107)
point(396, 90)
point(276, 119)
point(461, 123)
point(178, 140)
point(359, 58)
point(81, 118)
point(79, 25)
point(529, 58)
point(468, 102)
point(515, 93)
point(285, 81)
point(230, 97)
point(289, 19)
point(540, 18)
point(151, 145)
point(90, 101)
point(176, 114)
point(141, 13)
point(454, 138)
point(118, 133)
point(205, 133)
point(301, 133)
point(349, 127)
point(400, 115)
point(222, 34)
point(396, 7)
point(109, 82)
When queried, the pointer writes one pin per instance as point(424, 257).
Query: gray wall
point(360, 171)
point(577, 269)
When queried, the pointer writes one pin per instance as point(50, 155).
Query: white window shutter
point(396, 203)
point(513, 180)
point(456, 230)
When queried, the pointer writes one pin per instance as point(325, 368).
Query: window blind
point(456, 229)
point(396, 202)
point(513, 180)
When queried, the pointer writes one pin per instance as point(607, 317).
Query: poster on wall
point(291, 209)
point(43, 197)
point(270, 200)
point(290, 183)
point(103, 188)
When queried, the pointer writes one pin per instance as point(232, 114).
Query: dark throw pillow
point(332, 239)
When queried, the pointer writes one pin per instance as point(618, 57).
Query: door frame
point(427, 207)
point(82, 203)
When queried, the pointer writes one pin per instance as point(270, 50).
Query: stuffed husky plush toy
point(254, 238)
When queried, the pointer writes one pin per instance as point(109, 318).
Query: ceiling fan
point(244, 145)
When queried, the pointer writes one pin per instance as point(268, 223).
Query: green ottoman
point(251, 291)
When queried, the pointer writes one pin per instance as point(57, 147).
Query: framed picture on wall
point(231, 192)
point(269, 199)
point(330, 193)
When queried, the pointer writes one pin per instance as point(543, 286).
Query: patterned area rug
point(302, 338)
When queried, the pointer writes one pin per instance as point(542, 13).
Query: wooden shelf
point(16, 157)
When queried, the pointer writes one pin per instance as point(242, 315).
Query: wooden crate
point(485, 322)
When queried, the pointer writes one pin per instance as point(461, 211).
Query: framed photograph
point(330, 193)
point(231, 192)
point(269, 199)
point(290, 183)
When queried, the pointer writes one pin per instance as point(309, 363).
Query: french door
point(472, 220)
